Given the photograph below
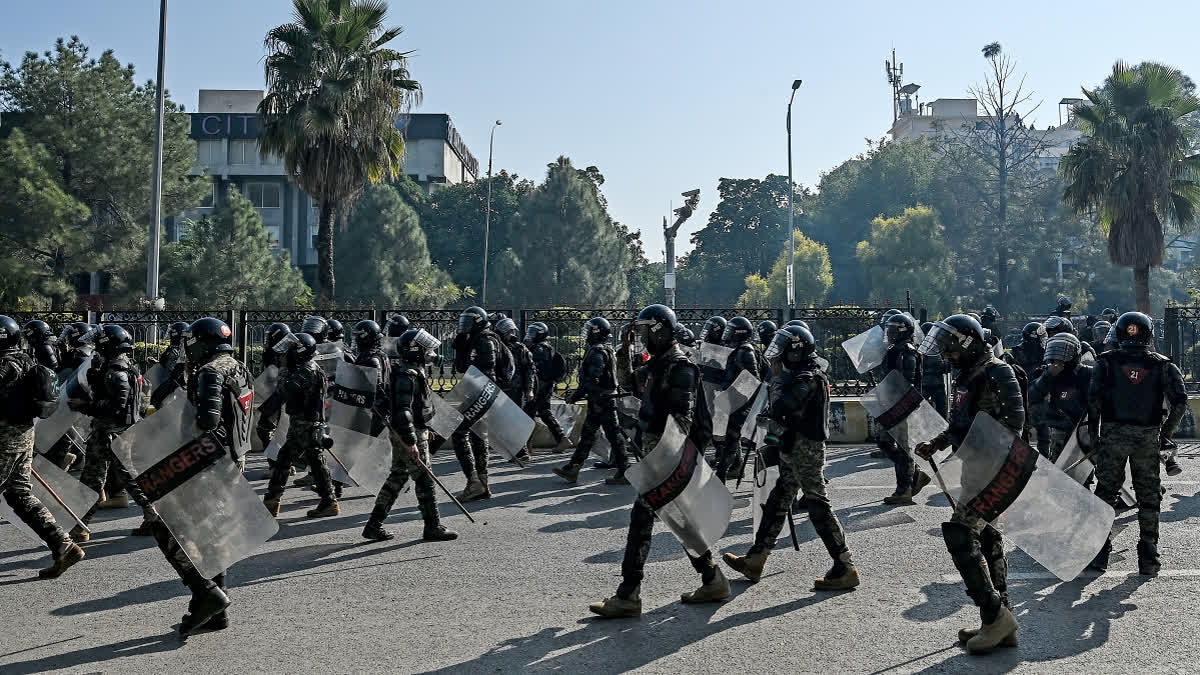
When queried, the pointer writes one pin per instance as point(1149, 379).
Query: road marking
point(1110, 574)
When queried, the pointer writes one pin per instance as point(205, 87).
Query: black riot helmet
point(397, 324)
point(597, 330)
point(1100, 330)
point(303, 346)
point(1135, 331)
point(367, 335)
point(10, 334)
point(799, 322)
point(1064, 306)
point(205, 338)
point(73, 334)
point(1109, 314)
point(959, 340)
point(988, 317)
point(925, 326)
point(887, 315)
point(766, 331)
point(472, 320)
point(537, 332)
point(1063, 347)
point(1056, 324)
point(37, 332)
point(655, 327)
point(507, 329)
point(1034, 332)
point(685, 336)
point(416, 345)
point(900, 327)
point(175, 332)
point(791, 345)
point(317, 327)
point(112, 339)
point(737, 332)
point(276, 332)
point(337, 332)
point(713, 329)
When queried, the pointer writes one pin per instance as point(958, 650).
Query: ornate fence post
point(1173, 338)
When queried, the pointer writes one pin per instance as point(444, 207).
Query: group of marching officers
point(1045, 388)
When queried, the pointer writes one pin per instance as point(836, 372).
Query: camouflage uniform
point(116, 392)
point(16, 457)
point(482, 351)
point(1126, 392)
point(304, 392)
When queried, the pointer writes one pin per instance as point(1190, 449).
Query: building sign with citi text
point(224, 125)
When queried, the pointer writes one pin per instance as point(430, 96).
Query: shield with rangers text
point(1053, 518)
point(490, 414)
point(352, 397)
point(676, 482)
point(900, 409)
point(198, 490)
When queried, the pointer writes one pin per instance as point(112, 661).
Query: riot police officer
point(337, 332)
point(41, 343)
point(410, 408)
point(1100, 331)
point(798, 426)
point(713, 330)
point(1032, 350)
point(1057, 325)
point(519, 388)
point(73, 349)
point(1064, 307)
point(744, 358)
point(317, 327)
point(114, 407)
point(686, 338)
point(269, 410)
point(984, 383)
point(902, 357)
point(598, 384)
point(16, 450)
point(766, 332)
point(671, 386)
point(933, 382)
point(550, 368)
point(368, 353)
point(630, 356)
point(173, 362)
point(304, 388)
point(221, 389)
point(1125, 413)
point(1061, 391)
point(474, 345)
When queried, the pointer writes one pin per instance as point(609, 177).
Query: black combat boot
point(208, 600)
point(220, 620)
point(374, 528)
point(434, 530)
point(1148, 562)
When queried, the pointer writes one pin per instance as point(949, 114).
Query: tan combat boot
point(750, 565)
point(272, 504)
point(994, 634)
point(841, 577)
point(900, 498)
point(617, 607)
point(569, 473)
point(325, 509)
point(714, 591)
point(146, 528)
point(474, 490)
point(965, 635)
point(80, 535)
point(67, 554)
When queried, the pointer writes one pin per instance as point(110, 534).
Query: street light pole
point(487, 216)
point(791, 270)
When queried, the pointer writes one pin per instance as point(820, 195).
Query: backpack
point(36, 392)
point(506, 368)
point(558, 368)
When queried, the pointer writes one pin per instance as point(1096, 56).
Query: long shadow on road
point(96, 655)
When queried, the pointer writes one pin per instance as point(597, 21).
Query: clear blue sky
point(661, 96)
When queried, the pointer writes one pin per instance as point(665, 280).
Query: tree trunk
point(1002, 280)
point(1141, 289)
point(325, 252)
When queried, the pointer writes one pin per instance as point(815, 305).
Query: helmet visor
point(506, 327)
point(426, 341)
point(779, 345)
point(466, 322)
point(1060, 350)
point(943, 337)
point(709, 325)
point(286, 343)
point(90, 337)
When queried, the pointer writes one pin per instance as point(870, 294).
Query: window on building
point(210, 199)
point(263, 195)
point(274, 236)
point(210, 153)
point(242, 152)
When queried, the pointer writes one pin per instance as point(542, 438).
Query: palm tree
point(336, 91)
point(1134, 167)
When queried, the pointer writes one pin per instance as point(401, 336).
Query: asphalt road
point(511, 594)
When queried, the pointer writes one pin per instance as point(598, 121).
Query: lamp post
point(791, 285)
point(487, 216)
point(156, 173)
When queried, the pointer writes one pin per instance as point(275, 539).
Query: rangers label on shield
point(1003, 490)
point(901, 410)
point(490, 413)
point(176, 468)
point(482, 403)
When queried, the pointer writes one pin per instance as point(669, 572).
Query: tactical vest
point(653, 413)
point(129, 411)
point(304, 392)
point(422, 405)
point(1068, 397)
point(238, 400)
point(608, 374)
point(1134, 387)
point(811, 420)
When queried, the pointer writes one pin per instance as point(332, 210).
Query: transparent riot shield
point(567, 414)
point(197, 489)
point(61, 493)
point(64, 420)
point(336, 472)
point(765, 478)
point(901, 410)
point(729, 401)
point(445, 417)
point(1046, 512)
point(281, 429)
point(352, 397)
point(155, 376)
point(328, 355)
point(712, 359)
point(866, 350)
point(366, 459)
point(678, 485)
point(1081, 467)
point(265, 384)
point(490, 413)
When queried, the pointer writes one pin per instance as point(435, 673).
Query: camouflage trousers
point(602, 414)
point(100, 461)
point(1122, 444)
point(300, 442)
point(471, 451)
point(403, 469)
point(637, 542)
point(905, 466)
point(977, 550)
point(16, 469)
point(179, 561)
point(801, 469)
